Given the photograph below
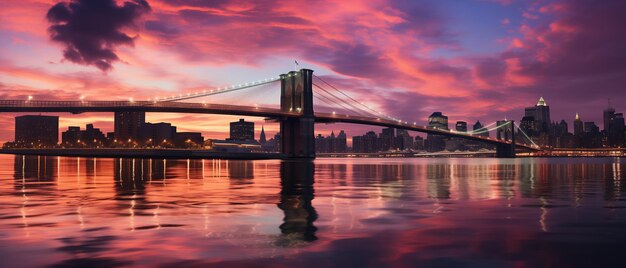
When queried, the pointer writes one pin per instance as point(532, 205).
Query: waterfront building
point(241, 131)
point(89, 137)
point(129, 125)
point(36, 131)
point(188, 139)
point(461, 126)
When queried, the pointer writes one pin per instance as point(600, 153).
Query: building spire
point(542, 102)
point(577, 117)
point(262, 139)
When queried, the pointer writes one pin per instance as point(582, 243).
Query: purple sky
point(474, 59)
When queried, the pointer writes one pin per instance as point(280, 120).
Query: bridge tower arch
point(505, 132)
point(296, 96)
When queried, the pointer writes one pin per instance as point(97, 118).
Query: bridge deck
point(226, 109)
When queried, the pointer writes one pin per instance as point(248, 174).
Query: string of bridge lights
point(527, 137)
point(379, 114)
point(218, 90)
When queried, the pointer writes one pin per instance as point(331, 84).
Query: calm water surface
point(525, 212)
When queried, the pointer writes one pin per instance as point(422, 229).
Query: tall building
point(262, 138)
point(36, 130)
point(620, 128)
point(129, 125)
point(438, 120)
point(461, 126)
point(536, 122)
point(433, 142)
point(613, 127)
point(386, 139)
point(540, 115)
point(403, 141)
point(368, 143)
point(480, 130)
point(341, 142)
point(578, 126)
point(242, 130)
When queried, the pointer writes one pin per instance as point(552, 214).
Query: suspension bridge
point(295, 113)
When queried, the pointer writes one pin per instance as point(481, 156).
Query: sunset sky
point(472, 60)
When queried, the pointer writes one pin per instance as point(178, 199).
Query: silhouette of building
point(438, 121)
point(129, 125)
point(403, 141)
point(386, 139)
point(158, 134)
point(613, 127)
point(90, 137)
point(368, 143)
point(188, 139)
point(461, 126)
point(436, 142)
point(262, 139)
point(341, 142)
point(480, 130)
point(536, 122)
point(242, 131)
point(578, 126)
point(332, 143)
point(36, 131)
point(592, 137)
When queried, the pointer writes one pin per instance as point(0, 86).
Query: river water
point(415, 212)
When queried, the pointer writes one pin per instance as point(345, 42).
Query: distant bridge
point(295, 114)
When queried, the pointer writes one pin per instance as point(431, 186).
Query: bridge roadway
point(77, 107)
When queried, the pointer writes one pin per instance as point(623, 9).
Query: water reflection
point(296, 194)
point(435, 212)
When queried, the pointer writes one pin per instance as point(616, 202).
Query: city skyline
point(536, 128)
point(516, 53)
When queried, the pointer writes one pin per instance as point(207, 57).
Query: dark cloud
point(91, 30)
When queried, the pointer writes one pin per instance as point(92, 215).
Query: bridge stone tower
point(506, 132)
point(296, 96)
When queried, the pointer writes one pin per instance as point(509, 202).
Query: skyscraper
point(480, 130)
point(541, 115)
point(613, 127)
point(129, 125)
point(262, 139)
point(36, 130)
point(242, 130)
point(386, 139)
point(438, 120)
point(341, 142)
point(436, 142)
point(461, 126)
point(578, 126)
